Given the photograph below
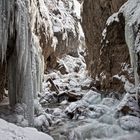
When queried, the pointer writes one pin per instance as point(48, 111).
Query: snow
point(77, 62)
point(92, 97)
point(81, 33)
point(104, 33)
point(131, 12)
point(10, 131)
point(129, 87)
point(77, 8)
point(130, 123)
point(112, 18)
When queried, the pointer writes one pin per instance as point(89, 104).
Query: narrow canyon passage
point(69, 70)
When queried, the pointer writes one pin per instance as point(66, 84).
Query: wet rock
point(61, 68)
point(71, 97)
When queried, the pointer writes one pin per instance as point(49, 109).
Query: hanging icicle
point(131, 13)
point(25, 61)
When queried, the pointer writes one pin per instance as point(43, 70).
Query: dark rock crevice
point(105, 56)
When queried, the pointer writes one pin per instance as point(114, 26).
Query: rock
point(69, 96)
point(61, 68)
point(130, 123)
point(104, 62)
point(129, 105)
point(92, 97)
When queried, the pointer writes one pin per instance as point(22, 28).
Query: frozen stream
point(93, 117)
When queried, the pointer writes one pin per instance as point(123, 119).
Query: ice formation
point(25, 61)
point(131, 12)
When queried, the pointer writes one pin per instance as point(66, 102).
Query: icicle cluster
point(131, 12)
point(25, 62)
point(6, 20)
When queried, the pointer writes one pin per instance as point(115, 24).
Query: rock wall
point(107, 52)
point(65, 17)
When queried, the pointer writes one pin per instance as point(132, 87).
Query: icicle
point(25, 64)
point(130, 40)
point(4, 23)
point(131, 14)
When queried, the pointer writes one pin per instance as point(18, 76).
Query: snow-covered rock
point(10, 131)
point(130, 122)
point(128, 105)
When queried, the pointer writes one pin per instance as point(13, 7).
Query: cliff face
point(107, 52)
point(56, 26)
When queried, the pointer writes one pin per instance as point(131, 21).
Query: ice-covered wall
point(21, 54)
point(131, 13)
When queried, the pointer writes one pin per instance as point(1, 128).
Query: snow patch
point(10, 131)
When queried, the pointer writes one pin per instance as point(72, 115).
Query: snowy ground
point(9, 131)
